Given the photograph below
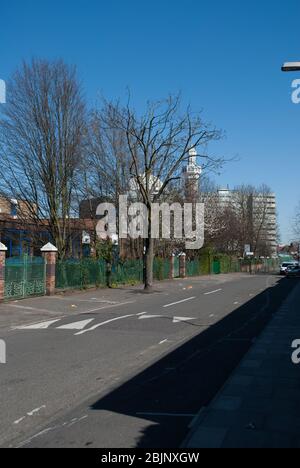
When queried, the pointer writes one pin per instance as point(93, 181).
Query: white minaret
point(191, 175)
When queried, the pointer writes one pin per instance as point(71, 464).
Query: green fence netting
point(129, 272)
point(206, 265)
point(73, 274)
point(24, 277)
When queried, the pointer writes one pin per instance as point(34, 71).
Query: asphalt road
point(125, 369)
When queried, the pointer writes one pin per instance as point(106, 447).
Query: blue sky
point(224, 56)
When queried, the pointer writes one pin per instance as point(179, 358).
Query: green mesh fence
point(80, 273)
point(161, 269)
point(200, 266)
point(73, 274)
point(205, 265)
point(193, 268)
point(24, 277)
point(129, 272)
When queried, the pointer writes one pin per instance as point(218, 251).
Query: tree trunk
point(149, 257)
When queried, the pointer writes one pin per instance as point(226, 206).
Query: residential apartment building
point(261, 210)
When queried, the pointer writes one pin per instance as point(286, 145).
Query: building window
point(13, 210)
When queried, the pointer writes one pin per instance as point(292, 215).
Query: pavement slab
point(259, 406)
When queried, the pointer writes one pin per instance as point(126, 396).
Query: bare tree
point(296, 223)
point(158, 144)
point(41, 138)
point(106, 167)
point(252, 208)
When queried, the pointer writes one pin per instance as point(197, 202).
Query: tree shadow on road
point(170, 392)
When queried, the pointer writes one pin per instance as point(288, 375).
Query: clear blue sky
point(224, 56)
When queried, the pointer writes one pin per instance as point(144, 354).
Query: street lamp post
point(291, 67)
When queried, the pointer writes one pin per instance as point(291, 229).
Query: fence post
point(172, 267)
point(49, 252)
point(182, 265)
point(3, 250)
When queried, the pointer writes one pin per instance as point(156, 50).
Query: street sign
point(247, 249)
point(86, 238)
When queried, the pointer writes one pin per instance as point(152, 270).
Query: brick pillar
point(50, 255)
point(182, 265)
point(3, 250)
point(172, 267)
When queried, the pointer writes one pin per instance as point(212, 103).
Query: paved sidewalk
point(259, 407)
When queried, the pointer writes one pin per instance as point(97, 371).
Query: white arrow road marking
point(180, 302)
point(103, 323)
point(76, 325)
point(143, 317)
point(38, 326)
point(213, 292)
point(183, 319)
point(36, 410)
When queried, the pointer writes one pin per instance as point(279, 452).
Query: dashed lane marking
point(213, 292)
point(179, 302)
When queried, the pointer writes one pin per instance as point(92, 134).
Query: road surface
point(122, 368)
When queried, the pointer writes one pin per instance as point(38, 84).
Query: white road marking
point(163, 342)
point(37, 326)
point(19, 420)
point(28, 441)
point(36, 410)
point(182, 319)
point(180, 302)
point(213, 292)
point(77, 420)
point(33, 309)
point(76, 325)
point(141, 313)
point(102, 324)
point(30, 414)
point(107, 307)
point(144, 317)
point(93, 300)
